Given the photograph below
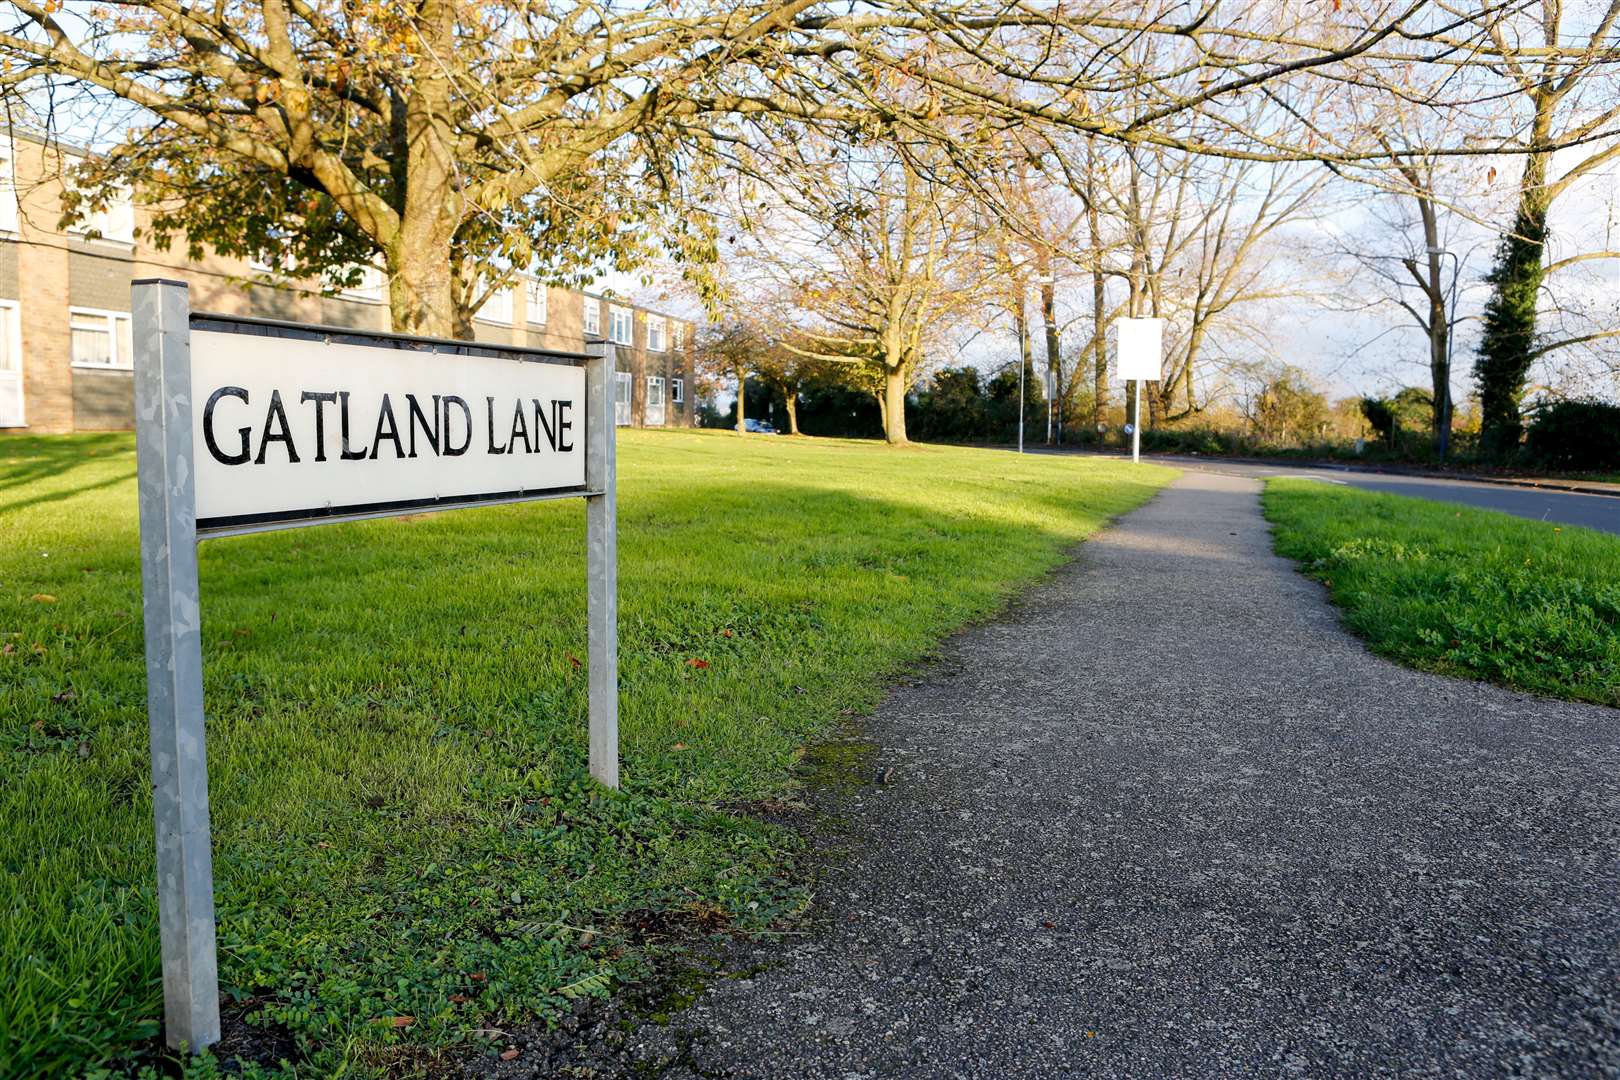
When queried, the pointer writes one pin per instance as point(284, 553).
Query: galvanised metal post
point(602, 562)
point(174, 688)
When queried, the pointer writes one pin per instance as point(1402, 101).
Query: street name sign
point(293, 429)
point(245, 425)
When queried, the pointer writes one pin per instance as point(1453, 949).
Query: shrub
point(1581, 435)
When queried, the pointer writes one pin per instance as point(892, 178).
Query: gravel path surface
point(1166, 818)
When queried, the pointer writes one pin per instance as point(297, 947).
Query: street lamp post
point(1451, 328)
point(1021, 366)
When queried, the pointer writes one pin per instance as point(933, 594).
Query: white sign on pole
point(1140, 349)
point(295, 428)
point(243, 425)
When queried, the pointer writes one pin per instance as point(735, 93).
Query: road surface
point(1542, 504)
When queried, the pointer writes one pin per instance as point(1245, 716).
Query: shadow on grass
point(27, 459)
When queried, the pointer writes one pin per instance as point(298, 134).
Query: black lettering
point(276, 414)
point(559, 415)
point(386, 416)
point(347, 454)
point(208, 427)
point(540, 424)
point(445, 447)
point(490, 403)
point(417, 417)
point(519, 429)
point(321, 401)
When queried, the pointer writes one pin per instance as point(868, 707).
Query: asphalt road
point(1167, 818)
point(1542, 504)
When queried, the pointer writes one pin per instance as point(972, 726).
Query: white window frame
point(624, 389)
point(677, 335)
point(677, 391)
point(497, 308)
point(657, 328)
point(372, 288)
point(8, 185)
point(258, 265)
point(535, 301)
point(13, 338)
point(593, 316)
point(119, 361)
point(628, 317)
point(114, 224)
point(655, 400)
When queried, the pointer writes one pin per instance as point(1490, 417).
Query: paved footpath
point(1167, 819)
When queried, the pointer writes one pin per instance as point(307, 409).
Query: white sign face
point(1140, 349)
point(289, 428)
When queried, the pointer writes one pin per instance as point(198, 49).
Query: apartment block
point(65, 346)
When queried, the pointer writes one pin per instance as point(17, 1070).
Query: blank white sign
point(1140, 349)
point(292, 428)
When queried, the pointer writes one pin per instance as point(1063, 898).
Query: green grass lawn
point(1462, 591)
point(403, 826)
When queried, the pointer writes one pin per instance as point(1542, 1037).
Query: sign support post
point(171, 608)
point(1140, 349)
point(1136, 426)
point(493, 425)
point(602, 564)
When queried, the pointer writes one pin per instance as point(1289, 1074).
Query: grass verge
point(407, 850)
point(1462, 591)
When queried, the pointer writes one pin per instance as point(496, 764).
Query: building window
point(655, 401)
point(534, 302)
point(115, 221)
point(101, 339)
point(8, 186)
point(11, 383)
point(497, 307)
point(371, 288)
point(677, 390)
point(593, 317)
point(655, 333)
point(621, 331)
point(623, 386)
point(677, 337)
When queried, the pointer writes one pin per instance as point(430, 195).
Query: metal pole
point(1050, 383)
point(174, 689)
point(1022, 363)
point(602, 563)
point(1136, 427)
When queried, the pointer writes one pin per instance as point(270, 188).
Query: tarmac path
point(1167, 818)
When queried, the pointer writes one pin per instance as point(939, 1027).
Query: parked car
point(759, 427)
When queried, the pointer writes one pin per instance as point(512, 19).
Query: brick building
point(65, 357)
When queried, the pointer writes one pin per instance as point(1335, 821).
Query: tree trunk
point(421, 300)
point(1099, 304)
point(894, 405)
point(742, 391)
point(790, 398)
point(1054, 362)
point(1504, 358)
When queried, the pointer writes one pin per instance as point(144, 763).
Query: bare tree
point(732, 350)
point(879, 261)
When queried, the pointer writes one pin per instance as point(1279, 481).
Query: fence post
point(602, 563)
point(174, 691)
